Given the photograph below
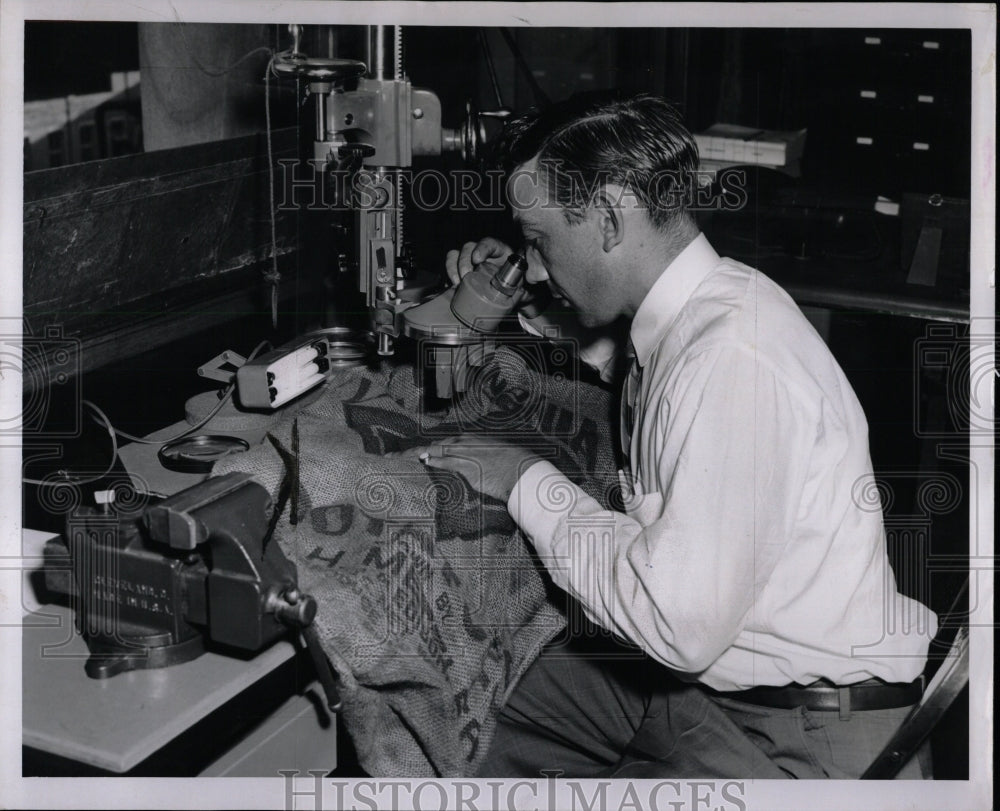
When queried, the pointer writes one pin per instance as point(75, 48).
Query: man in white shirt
point(746, 567)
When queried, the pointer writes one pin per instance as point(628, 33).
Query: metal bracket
point(215, 368)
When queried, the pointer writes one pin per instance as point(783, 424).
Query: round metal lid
point(197, 454)
point(347, 346)
point(319, 68)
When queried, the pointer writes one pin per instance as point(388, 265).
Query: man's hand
point(493, 252)
point(473, 254)
point(490, 465)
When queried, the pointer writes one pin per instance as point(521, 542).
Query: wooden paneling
point(136, 245)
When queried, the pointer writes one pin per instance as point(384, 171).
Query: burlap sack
point(431, 604)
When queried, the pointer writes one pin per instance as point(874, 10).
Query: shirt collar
point(669, 294)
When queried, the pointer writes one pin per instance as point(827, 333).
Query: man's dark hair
point(636, 142)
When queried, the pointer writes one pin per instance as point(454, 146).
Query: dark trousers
point(591, 707)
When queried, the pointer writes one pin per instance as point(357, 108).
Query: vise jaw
point(149, 590)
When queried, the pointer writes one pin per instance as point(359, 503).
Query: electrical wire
point(541, 97)
point(114, 433)
point(69, 479)
point(223, 71)
point(215, 73)
point(490, 67)
point(227, 394)
point(273, 277)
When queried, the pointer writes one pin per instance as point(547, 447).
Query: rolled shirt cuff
point(541, 501)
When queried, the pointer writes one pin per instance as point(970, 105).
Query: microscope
point(370, 123)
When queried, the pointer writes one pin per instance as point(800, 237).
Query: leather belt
point(825, 697)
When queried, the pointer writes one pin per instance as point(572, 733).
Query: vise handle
point(192, 516)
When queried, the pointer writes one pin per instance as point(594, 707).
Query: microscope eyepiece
point(510, 276)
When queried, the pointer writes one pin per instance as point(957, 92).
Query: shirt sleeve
point(678, 574)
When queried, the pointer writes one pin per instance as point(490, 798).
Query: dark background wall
point(766, 77)
point(62, 58)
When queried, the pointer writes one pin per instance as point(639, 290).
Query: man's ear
point(608, 214)
point(607, 208)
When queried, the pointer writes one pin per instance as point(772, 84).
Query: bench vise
point(149, 589)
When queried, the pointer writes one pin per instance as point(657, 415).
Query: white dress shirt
point(747, 555)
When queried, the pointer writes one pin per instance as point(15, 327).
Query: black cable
point(541, 97)
point(484, 44)
point(68, 478)
point(114, 433)
point(324, 671)
point(227, 393)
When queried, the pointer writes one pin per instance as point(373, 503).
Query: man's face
point(566, 255)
